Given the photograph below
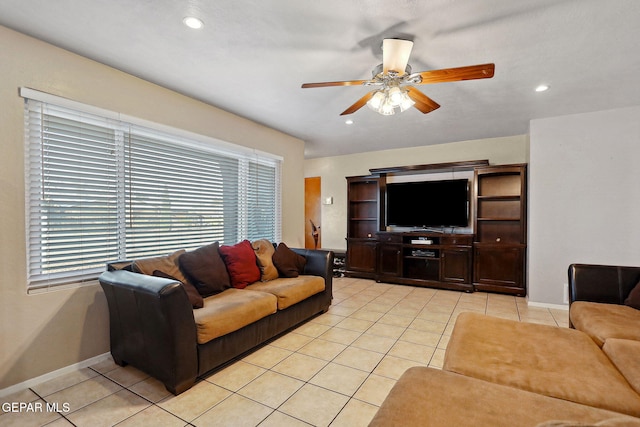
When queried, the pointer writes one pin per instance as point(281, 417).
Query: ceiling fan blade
point(327, 84)
point(395, 55)
point(471, 72)
point(422, 101)
point(358, 104)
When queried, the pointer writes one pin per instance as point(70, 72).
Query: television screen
point(428, 203)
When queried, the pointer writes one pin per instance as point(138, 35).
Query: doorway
point(312, 213)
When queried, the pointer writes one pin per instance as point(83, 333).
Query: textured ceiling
point(252, 56)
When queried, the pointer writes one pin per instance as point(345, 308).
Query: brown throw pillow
point(633, 300)
point(288, 263)
point(192, 293)
point(205, 269)
point(264, 252)
point(168, 264)
point(167, 267)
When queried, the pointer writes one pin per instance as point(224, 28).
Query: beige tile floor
point(334, 370)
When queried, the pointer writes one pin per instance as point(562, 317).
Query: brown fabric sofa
point(432, 397)
point(501, 372)
point(552, 361)
point(155, 327)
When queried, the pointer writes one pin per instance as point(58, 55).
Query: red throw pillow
point(241, 263)
point(288, 263)
point(633, 300)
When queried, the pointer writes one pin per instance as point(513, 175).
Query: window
point(100, 189)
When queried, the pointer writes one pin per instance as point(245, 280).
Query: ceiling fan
point(395, 81)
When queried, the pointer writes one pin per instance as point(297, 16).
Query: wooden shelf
point(501, 197)
point(500, 229)
point(492, 259)
point(433, 167)
point(499, 219)
point(364, 216)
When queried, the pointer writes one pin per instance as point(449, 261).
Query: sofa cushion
point(205, 269)
point(431, 397)
point(288, 263)
point(625, 355)
point(550, 360)
point(290, 290)
point(192, 293)
point(602, 321)
point(231, 310)
point(264, 253)
point(633, 300)
point(241, 263)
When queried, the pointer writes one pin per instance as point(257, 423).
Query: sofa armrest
point(319, 263)
point(601, 283)
point(152, 327)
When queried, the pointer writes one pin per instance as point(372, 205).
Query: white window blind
point(100, 189)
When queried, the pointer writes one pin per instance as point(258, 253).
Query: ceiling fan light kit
point(386, 101)
point(396, 80)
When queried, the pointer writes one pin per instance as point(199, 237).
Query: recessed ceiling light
point(349, 121)
point(193, 22)
point(542, 88)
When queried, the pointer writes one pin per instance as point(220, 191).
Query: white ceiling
point(252, 56)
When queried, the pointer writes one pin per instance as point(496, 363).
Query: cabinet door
point(389, 260)
point(455, 265)
point(499, 269)
point(361, 255)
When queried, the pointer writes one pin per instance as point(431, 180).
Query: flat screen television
point(426, 204)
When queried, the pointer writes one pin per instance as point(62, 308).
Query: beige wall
point(45, 332)
point(333, 171)
point(584, 196)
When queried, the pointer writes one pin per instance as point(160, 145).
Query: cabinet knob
point(498, 239)
point(369, 235)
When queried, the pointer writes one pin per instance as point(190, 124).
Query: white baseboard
point(545, 305)
point(51, 375)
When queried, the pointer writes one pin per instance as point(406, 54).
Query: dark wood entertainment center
point(492, 258)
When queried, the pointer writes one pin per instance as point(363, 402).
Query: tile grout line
point(59, 413)
point(332, 360)
point(308, 382)
point(151, 403)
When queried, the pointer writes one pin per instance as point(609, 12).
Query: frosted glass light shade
point(386, 109)
point(395, 96)
point(376, 100)
point(406, 102)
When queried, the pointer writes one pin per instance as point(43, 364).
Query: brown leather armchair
point(610, 284)
point(601, 283)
